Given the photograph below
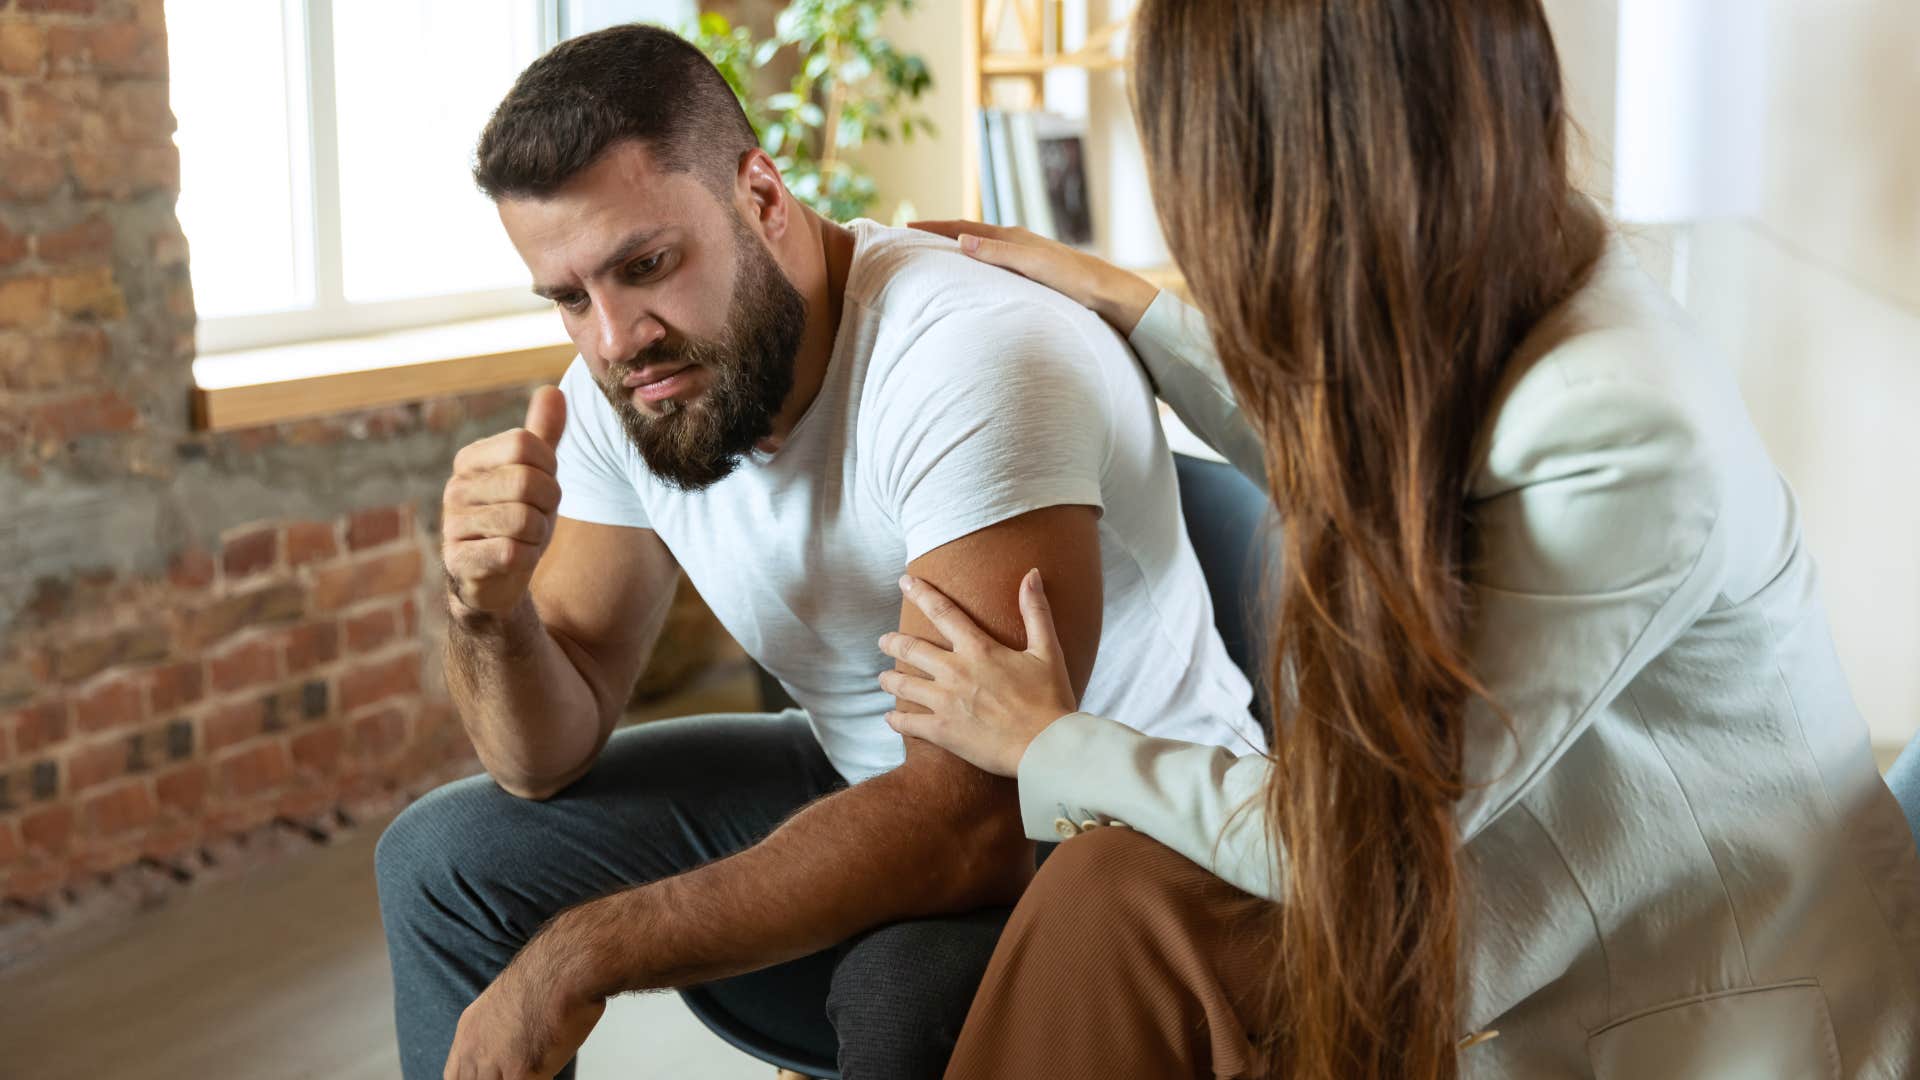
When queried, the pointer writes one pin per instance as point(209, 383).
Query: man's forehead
point(623, 195)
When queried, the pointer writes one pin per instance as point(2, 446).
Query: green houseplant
point(850, 84)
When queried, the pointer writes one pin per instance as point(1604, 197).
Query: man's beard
point(694, 445)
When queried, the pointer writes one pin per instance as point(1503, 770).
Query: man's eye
point(572, 301)
point(641, 268)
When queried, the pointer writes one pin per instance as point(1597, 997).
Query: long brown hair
point(1371, 203)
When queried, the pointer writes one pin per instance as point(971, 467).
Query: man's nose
point(625, 331)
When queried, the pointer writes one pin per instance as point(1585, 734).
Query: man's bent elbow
point(992, 862)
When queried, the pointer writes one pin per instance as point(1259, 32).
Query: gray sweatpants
point(469, 872)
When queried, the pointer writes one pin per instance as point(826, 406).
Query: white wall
point(1817, 302)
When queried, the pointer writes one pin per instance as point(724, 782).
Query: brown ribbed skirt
point(1123, 959)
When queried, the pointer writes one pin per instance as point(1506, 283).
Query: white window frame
point(317, 218)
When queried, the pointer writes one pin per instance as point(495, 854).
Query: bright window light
point(239, 96)
point(411, 222)
point(326, 149)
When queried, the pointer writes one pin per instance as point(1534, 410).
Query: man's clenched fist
point(497, 513)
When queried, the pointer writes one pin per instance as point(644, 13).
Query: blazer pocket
point(1782, 1030)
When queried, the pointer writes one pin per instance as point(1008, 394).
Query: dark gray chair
point(778, 1015)
point(1904, 778)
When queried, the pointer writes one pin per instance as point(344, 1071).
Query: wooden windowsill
point(294, 382)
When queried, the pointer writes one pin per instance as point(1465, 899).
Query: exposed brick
point(91, 766)
point(371, 528)
point(313, 699)
point(248, 664)
point(305, 804)
point(44, 781)
point(13, 246)
point(369, 576)
point(69, 7)
point(30, 176)
point(87, 241)
point(154, 167)
point(371, 630)
point(49, 829)
point(38, 727)
point(255, 769)
point(192, 569)
point(281, 710)
point(232, 724)
point(10, 843)
point(88, 294)
point(379, 733)
point(77, 417)
point(23, 47)
point(138, 109)
point(17, 682)
point(127, 806)
point(262, 606)
point(369, 683)
point(136, 645)
point(179, 740)
point(147, 748)
point(118, 703)
point(174, 686)
point(184, 788)
point(250, 552)
point(62, 109)
point(100, 175)
point(310, 541)
point(170, 249)
point(309, 646)
point(127, 48)
point(25, 301)
point(168, 842)
point(72, 357)
point(318, 749)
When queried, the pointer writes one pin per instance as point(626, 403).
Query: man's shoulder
point(944, 316)
point(913, 278)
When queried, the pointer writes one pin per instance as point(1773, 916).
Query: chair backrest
point(1903, 776)
point(1228, 519)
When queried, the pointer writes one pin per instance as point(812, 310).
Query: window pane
point(414, 83)
point(586, 15)
point(238, 92)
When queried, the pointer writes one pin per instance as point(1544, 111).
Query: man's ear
point(761, 195)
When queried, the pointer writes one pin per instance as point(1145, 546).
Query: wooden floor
point(280, 973)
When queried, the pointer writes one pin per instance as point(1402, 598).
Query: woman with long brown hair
point(1565, 778)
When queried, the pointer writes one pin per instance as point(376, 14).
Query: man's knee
point(439, 854)
point(901, 994)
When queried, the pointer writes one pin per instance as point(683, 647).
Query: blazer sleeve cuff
point(1055, 762)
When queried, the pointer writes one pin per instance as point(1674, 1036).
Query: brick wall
point(202, 638)
point(279, 676)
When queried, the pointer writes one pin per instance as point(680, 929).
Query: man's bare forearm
point(535, 719)
point(913, 842)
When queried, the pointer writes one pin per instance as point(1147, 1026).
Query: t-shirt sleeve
point(985, 417)
point(596, 484)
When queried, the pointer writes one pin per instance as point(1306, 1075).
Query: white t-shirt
point(958, 396)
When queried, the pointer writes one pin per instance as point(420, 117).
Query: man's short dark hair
point(596, 90)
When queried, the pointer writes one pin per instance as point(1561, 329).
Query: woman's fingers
point(945, 615)
point(919, 653)
point(1043, 640)
point(916, 725)
point(922, 692)
point(952, 228)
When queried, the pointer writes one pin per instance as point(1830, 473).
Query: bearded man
point(793, 412)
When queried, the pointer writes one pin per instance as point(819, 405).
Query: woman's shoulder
point(1617, 438)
